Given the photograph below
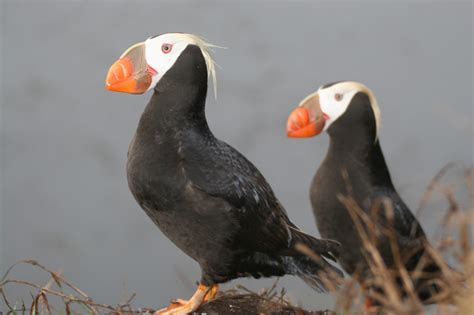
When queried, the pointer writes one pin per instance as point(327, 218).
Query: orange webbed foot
point(369, 307)
point(179, 306)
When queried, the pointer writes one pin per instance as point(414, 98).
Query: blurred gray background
point(65, 200)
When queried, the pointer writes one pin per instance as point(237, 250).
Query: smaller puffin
point(355, 167)
point(204, 195)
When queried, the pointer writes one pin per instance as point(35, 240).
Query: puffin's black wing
point(404, 222)
point(221, 171)
point(408, 231)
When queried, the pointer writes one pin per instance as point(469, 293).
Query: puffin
point(354, 169)
point(203, 194)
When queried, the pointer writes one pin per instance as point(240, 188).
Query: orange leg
point(369, 306)
point(212, 293)
point(179, 306)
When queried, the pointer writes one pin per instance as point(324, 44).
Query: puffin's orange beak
point(130, 74)
point(307, 120)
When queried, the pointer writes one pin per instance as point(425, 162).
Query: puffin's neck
point(172, 111)
point(360, 156)
point(179, 98)
point(355, 141)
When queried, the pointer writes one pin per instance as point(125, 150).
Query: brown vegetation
point(453, 244)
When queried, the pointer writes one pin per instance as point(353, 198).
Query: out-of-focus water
point(64, 138)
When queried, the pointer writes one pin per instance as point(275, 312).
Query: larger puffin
point(355, 167)
point(204, 195)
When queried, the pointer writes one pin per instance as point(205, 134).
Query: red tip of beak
point(121, 78)
point(300, 125)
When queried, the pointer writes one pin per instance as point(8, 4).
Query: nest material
point(252, 304)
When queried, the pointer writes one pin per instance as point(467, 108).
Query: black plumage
point(205, 196)
point(355, 167)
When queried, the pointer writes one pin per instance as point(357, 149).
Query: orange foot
point(369, 307)
point(179, 306)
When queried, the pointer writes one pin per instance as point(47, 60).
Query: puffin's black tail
point(316, 274)
point(428, 287)
point(324, 247)
point(309, 261)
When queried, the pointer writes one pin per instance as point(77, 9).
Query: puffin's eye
point(338, 96)
point(166, 48)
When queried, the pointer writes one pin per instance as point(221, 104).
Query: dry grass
point(453, 244)
point(68, 299)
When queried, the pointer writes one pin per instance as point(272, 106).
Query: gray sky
point(65, 200)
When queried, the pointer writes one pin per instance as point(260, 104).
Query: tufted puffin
point(354, 167)
point(204, 195)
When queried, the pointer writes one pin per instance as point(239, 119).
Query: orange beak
point(131, 73)
point(307, 120)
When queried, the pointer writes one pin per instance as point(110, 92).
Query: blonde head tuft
point(206, 49)
point(359, 87)
point(373, 102)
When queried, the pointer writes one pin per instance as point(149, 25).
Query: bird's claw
point(178, 301)
point(180, 306)
point(174, 303)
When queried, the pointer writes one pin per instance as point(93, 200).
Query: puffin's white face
point(334, 101)
point(318, 111)
point(161, 52)
point(143, 65)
